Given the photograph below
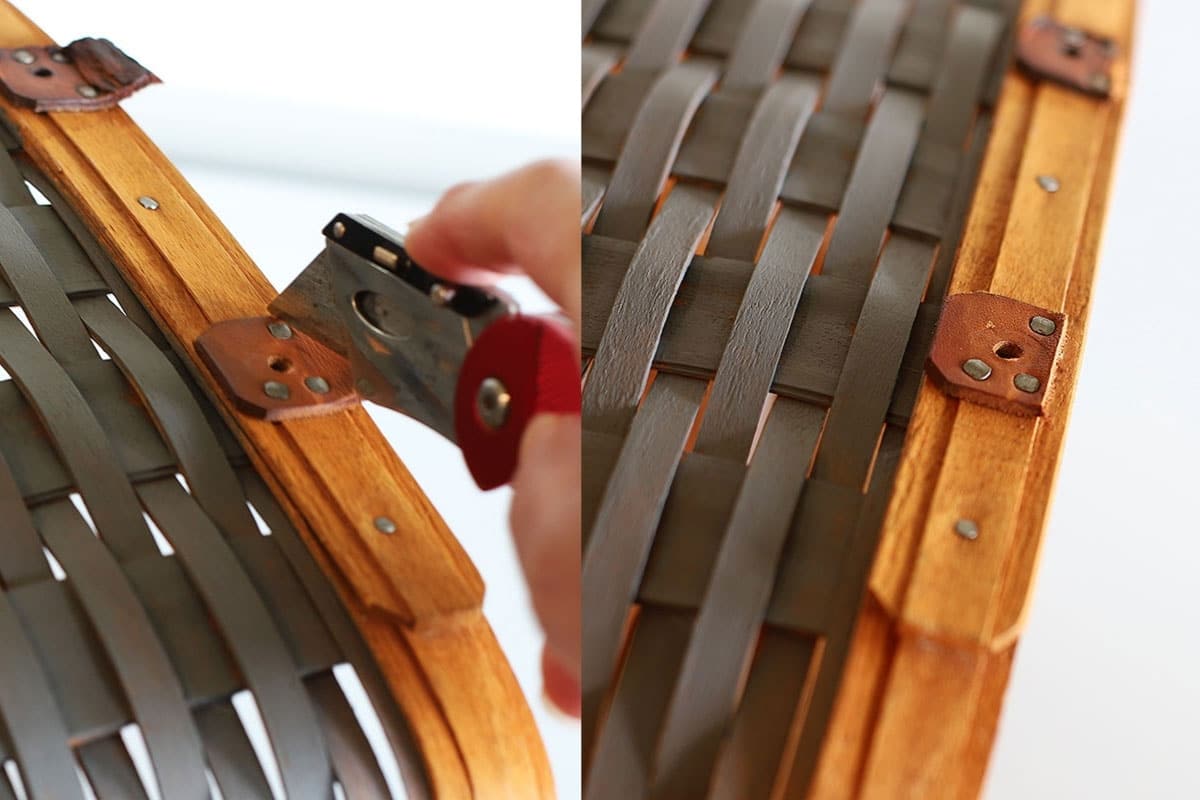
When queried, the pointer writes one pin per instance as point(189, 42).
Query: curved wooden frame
point(415, 595)
point(920, 699)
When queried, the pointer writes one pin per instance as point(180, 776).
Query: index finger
point(526, 221)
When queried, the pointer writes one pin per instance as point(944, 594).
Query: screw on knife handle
point(519, 367)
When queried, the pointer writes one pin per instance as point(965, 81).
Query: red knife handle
point(519, 367)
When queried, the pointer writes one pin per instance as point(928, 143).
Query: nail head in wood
point(967, 529)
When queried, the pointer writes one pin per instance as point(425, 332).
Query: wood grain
point(917, 712)
point(415, 594)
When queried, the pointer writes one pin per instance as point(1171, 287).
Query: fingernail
point(560, 689)
point(556, 712)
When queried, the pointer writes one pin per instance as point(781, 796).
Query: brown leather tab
point(274, 371)
point(1073, 57)
point(86, 75)
point(996, 351)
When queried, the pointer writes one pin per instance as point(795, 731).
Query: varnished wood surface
point(415, 593)
point(917, 711)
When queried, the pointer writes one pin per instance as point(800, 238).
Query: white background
point(1105, 698)
point(283, 113)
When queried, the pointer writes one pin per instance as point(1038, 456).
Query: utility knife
point(364, 321)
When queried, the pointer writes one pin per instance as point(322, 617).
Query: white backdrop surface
point(283, 113)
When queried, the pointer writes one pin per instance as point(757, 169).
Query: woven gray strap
point(774, 194)
point(137, 586)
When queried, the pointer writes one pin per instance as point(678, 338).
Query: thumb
point(546, 530)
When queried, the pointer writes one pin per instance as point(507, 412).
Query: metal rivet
point(385, 258)
point(492, 402)
point(1074, 39)
point(1049, 183)
point(280, 330)
point(1042, 326)
point(385, 525)
point(317, 384)
point(364, 386)
point(59, 56)
point(441, 295)
point(148, 203)
point(967, 529)
point(1099, 82)
point(1027, 383)
point(87, 90)
point(276, 390)
point(339, 230)
point(24, 57)
point(977, 369)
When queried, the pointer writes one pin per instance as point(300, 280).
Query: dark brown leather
point(746, 400)
point(173, 601)
point(86, 75)
point(244, 356)
point(1048, 49)
point(999, 332)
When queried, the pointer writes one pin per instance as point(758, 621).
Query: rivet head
point(87, 90)
point(441, 295)
point(339, 230)
point(276, 390)
point(385, 525)
point(967, 529)
point(1049, 183)
point(1042, 326)
point(1099, 82)
point(147, 202)
point(977, 369)
point(492, 402)
point(1027, 383)
point(280, 330)
point(59, 56)
point(316, 383)
point(364, 387)
point(23, 57)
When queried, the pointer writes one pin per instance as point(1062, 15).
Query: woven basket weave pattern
point(162, 598)
point(773, 197)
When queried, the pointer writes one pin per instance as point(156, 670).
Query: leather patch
point(1073, 57)
point(274, 372)
point(86, 75)
point(996, 351)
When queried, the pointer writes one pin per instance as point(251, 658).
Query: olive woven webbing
point(117, 471)
point(745, 408)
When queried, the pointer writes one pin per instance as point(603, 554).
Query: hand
point(527, 222)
